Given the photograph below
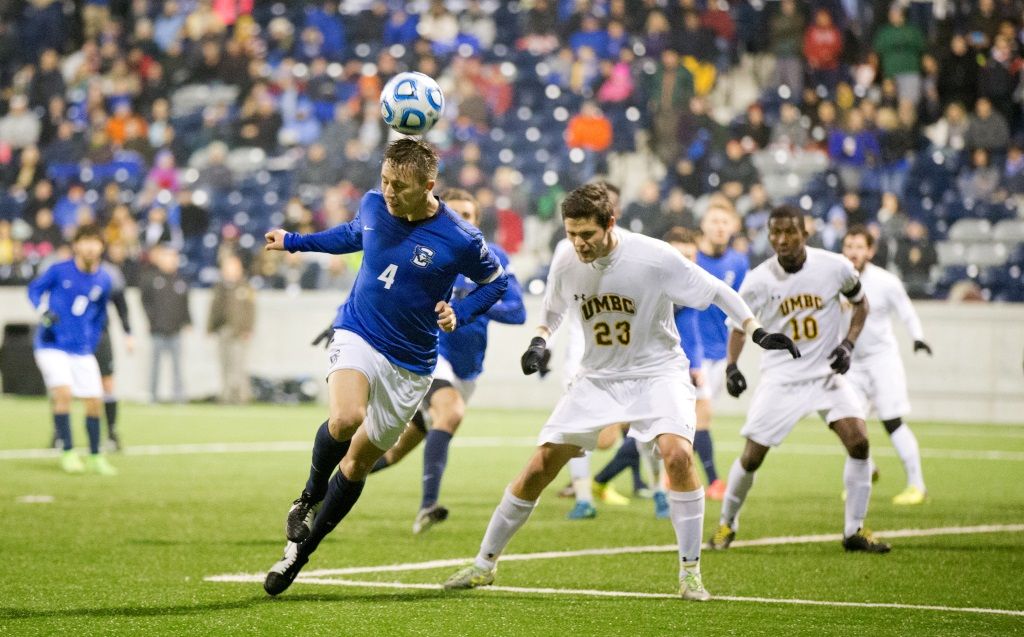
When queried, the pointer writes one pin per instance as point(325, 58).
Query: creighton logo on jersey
point(422, 256)
point(606, 303)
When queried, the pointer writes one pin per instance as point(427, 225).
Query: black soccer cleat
point(428, 517)
point(863, 541)
point(282, 574)
point(113, 442)
point(300, 518)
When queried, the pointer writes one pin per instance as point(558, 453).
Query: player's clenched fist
point(445, 316)
point(536, 356)
point(735, 383)
point(275, 239)
point(842, 355)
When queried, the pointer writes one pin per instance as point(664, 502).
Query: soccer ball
point(411, 103)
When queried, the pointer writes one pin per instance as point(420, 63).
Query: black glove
point(735, 383)
point(49, 318)
point(842, 355)
point(544, 368)
point(921, 345)
point(536, 356)
point(324, 337)
point(775, 340)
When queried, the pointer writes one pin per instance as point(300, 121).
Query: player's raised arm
point(341, 239)
point(509, 309)
point(484, 269)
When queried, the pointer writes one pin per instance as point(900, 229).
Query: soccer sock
point(62, 425)
point(579, 472)
point(92, 427)
point(905, 442)
point(625, 457)
point(327, 453)
point(341, 496)
point(686, 509)
point(857, 479)
point(510, 515)
point(706, 450)
point(740, 481)
point(382, 463)
point(110, 408)
point(435, 458)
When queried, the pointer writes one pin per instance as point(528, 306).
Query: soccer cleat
point(692, 588)
point(661, 510)
point(282, 574)
point(113, 443)
point(863, 541)
point(71, 463)
point(471, 576)
point(722, 538)
point(567, 492)
point(910, 496)
point(98, 464)
point(715, 490)
point(582, 511)
point(428, 517)
point(300, 518)
point(606, 493)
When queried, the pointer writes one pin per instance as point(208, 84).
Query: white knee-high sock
point(512, 513)
point(579, 471)
point(857, 478)
point(740, 481)
point(686, 509)
point(905, 442)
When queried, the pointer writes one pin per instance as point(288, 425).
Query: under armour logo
point(579, 297)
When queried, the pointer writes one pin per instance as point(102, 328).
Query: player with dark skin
point(789, 240)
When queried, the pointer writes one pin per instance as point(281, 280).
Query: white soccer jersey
point(625, 304)
point(572, 331)
point(886, 296)
point(804, 305)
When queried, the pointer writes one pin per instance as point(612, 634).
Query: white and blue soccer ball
point(411, 103)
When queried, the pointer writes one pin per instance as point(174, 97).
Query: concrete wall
point(975, 376)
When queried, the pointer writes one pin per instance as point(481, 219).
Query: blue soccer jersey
point(730, 267)
point(465, 347)
point(407, 268)
point(687, 320)
point(79, 299)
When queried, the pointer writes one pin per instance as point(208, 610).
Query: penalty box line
point(585, 592)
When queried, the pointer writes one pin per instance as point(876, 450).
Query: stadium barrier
point(975, 376)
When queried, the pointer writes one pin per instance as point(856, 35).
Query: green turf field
point(202, 494)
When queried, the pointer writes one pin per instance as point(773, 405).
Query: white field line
point(625, 550)
point(499, 442)
point(585, 592)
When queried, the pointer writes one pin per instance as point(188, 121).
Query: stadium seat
point(971, 230)
point(951, 253)
point(986, 255)
point(1009, 230)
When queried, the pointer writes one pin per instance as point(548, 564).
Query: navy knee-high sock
point(92, 427)
point(435, 458)
point(382, 463)
point(623, 459)
point(706, 450)
point(327, 453)
point(342, 495)
point(110, 407)
point(62, 426)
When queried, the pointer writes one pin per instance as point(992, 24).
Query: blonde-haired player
point(624, 287)
point(800, 291)
point(876, 370)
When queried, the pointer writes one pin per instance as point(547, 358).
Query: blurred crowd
point(195, 125)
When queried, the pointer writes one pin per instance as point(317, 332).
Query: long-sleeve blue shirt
point(687, 319)
point(407, 268)
point(731, 267)
point(465, 347)
point(79, 299)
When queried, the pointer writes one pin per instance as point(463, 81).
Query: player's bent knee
point(751, 459)
point(858, 448)
point(343, 425)
point(678, 462)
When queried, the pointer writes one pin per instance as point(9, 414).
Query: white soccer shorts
point(777, 407)
point(714, 379)
point(881, 384)
point(80, 372)
point(444, 372)
point(652, 406)
point(395, 392)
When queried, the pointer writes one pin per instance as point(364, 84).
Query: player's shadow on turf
point(160, 542)
point(121, 611)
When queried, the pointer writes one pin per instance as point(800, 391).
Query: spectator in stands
point(950, 132)
point(439, 26)
point(1013, 171)
point(823, 48)
point(853, 149)
point(20, 127)
point(1000, 77)
point(65, 212)
point(787, 31)
point(47, 82)
point(737, 173)
point(591, 132)
point(987, 129)
point(754, 134)
point(642, 214)
point(668, 90)
point(657, 34)
point(789, 132)
point(165, 299)
point(42, 196)
point(915, 257)
point(958, 81)
point(890, 216)
point(852, 209)
point(900, 46)
point(29, 171)
point(980, 181)
point(158, 230)
point(232, 318)
point(674, 213)
point(898, 142)
point(694, 39)
point(834, 230)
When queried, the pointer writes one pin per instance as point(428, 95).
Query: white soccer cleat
point(692, 588)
